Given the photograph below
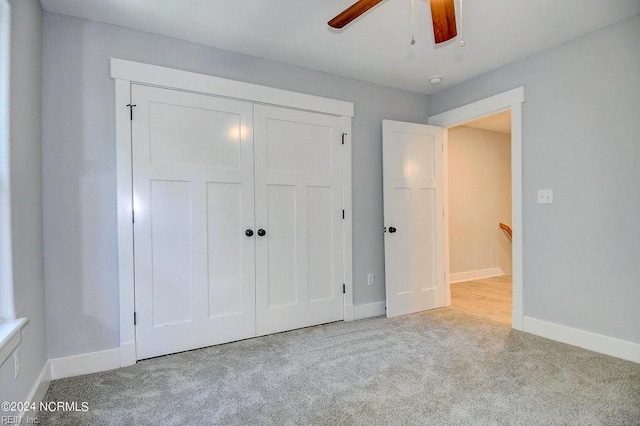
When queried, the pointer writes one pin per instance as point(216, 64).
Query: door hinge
point(344, 289)
point(343, 135)
point(135, 320)
point(343, 214)
point(131, 107)
point(133, 216)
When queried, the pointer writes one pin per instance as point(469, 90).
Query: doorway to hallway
point(479, 206)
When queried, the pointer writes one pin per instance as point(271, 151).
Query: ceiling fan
point(443, 15)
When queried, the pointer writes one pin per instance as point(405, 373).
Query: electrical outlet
point(371, 279)
point(545, 196)
point(16, 363)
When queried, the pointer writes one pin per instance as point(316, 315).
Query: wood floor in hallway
point(489, 298)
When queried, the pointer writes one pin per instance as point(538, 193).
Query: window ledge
point(10, 337)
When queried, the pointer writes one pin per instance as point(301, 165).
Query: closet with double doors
point(238, 211)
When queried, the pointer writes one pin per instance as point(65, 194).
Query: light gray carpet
point(435, 368)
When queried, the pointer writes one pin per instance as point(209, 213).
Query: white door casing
point(413, 217)
point(193, 190)
point(510, 100)
point(126, 74)
point(299, 205)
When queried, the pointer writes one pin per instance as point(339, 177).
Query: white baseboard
point(368, 310)
point(584, 339)
point(127, 354)
point(78, 365)
point(38, 391)
point(475, 275)
point(517, 321)
point(348, 312)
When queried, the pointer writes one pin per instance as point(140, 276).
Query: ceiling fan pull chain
point(462, 42)
point(413, 30)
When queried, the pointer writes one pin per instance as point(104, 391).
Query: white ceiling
point(375, 47)
point(500, 122)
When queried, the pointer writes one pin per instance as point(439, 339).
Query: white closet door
point(193, 200)
point(299, 271)
point(413, 217)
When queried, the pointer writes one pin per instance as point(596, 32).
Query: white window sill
point(10, 337)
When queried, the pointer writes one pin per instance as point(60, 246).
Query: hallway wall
point(479, 199)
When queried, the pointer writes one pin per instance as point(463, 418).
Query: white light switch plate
point(545, 196)
point(371, 279)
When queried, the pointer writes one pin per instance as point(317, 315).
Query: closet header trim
point(137, 72)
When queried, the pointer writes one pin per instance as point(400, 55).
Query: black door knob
point(262, 232)
point(392, 230)
point(249, 232)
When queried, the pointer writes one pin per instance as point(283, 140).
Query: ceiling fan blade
point(443, 14)
point(355, 10)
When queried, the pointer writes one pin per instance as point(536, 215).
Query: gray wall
point(80, 175)
point(26, 197)
point(581, 137)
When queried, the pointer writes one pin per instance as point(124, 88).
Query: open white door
point(413, 217)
